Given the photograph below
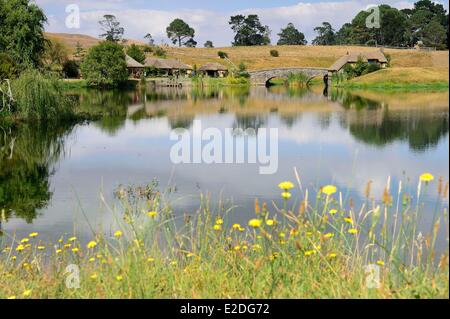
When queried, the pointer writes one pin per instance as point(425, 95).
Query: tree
point(343, 36)
point(136, 53)
point(325, 35)
point(22, 31)
point(105, 65)
point(7, 67)
point(178, 31)
point(55, 56)
point(150, 39)
point(111, 27)
point(80, 52)
point(249, 30)
point(208, 44)
point(291, 36)
point(433, 34)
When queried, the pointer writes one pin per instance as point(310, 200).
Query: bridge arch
point(262, 77)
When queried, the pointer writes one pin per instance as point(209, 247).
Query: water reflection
point(136, 125)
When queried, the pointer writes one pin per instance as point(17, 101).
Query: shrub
point(274, 53)
point(222, 54)
point(242, 71)
point(160, 52)
point(39, 97)
point(136, 53)
point(7, 67)
point(71, 69)
point(105, 65)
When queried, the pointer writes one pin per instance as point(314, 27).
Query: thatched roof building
point(132, 63)
point(212, 66)
point(166, 64)
point(351, 58)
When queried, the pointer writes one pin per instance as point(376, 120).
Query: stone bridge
point(262, 77)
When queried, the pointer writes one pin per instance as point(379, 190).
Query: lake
point(52, 177)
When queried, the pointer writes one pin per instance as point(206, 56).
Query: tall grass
point(298, 79)
point(40, 97)
point(311, 245)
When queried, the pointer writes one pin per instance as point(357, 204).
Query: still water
point(52, 177)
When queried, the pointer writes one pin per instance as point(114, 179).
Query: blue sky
point(209, 18)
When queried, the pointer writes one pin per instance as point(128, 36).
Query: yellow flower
point(33, 235)
point(58, 251)
point(380, 263)
point(329, 190)
point(119, 278)
point(190, 255)
point(270, 222)
point(217, 227)
point(286, 185)
point(152, 214)
point(150, 260)
point(72, 239)
point(332, 255)
point(236, 226)
point(353, 231)
point(67, 246)
point(333, 211)
point(348, 220)
point(219, 221)
point(94, 276)
point(91, 244)
point(27, 293)
point(237, 248)
point(282, 235)
point(310, 252)
point(118, 234)
point(242, 229)
point(286, 195)
point(75, 250)
point(14, 257)
point(256, 247)
point(20, 247)
point(426, 177)
point(25, 240)
point(40, 247)
point(92, 259)
point(329, 235)
point(255, 223)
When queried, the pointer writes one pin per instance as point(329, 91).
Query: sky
point(208, 18)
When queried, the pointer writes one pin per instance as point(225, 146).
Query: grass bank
point(308, 244)
point(401, 78)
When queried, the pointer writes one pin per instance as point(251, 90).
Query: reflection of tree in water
point(421, 130)
point(252, 121)
point(353, 101)
point(289, 119)
point(180, 121)
point(27, 156)
point(324, 119)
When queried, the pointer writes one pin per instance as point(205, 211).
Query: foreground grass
point(317, 249)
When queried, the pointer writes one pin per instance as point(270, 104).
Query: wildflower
point(72, 239)
point(67, 246)
point(237, 248)
point(150, 260)
point(329, 190)
point(118, 234)
point(256, 247)
point(34, 234)
point(60, 240)
point(219, 221)
point(282, 235)
point(380, 263)
point(217, 227)
point(270, 222)
point(332, 255)
point(353, 231)
point(190, 255)
point(14, 257)
point(286, 185)
point(173, 263)
point(255, 223)
point(348, 220)
point(40, 247)
point(236, 226)
point(92, 259)
point(119, 278)
point(27, 245)
point(58, 251)
point(152, 214)
point(244, 247)
point(286, 195)
point(20, 247)
point(25, 240)
point(329, 235)
point(333, 211)
point(426, 177)
point(27, 293)
point(242, 229)
point(93, 276)
point(6, 249)
point(310, 252)
point(75, 250)
point(91, 244)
